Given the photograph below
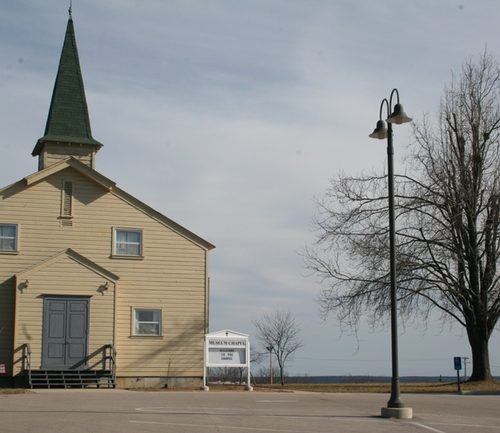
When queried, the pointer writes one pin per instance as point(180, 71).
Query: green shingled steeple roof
point(68, 120)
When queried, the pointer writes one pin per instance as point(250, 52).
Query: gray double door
point(65, 328)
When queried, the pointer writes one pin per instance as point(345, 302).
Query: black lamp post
point(398, 116)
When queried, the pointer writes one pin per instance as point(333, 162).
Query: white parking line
point(427, 427)
point(226, 427)
point(494, 427)
point(161, 409)
point(447, 424)
point(219, 427)
point(276, 401)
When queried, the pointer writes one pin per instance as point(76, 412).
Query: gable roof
point(73, 163)
point(109, 185)
point(72, 254)
point(68, 119)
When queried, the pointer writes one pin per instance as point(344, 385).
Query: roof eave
point(63, 139)
point(111, 186)
point(77, 165)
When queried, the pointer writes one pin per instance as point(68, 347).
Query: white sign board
point(227, 349)
point(226, 352)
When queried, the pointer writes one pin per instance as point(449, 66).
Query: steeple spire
point(68, 123)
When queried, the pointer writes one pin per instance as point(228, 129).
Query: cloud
point(229, 117)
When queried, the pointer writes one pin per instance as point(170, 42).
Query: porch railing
point(98, 366)
point(110, 360)
point(27, 362)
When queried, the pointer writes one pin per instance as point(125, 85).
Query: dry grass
point(422, 388)
point(433, 387)
point(419, 388)
point(226, 387)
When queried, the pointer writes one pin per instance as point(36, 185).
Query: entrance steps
point(71, 379)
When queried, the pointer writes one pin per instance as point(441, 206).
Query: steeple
point(67, 132)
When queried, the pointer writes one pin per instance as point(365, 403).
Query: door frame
point(83, 363)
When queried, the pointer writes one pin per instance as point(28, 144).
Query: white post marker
point(226, 348)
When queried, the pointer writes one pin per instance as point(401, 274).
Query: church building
point(96, 287)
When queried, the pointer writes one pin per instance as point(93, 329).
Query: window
point(147, 322)
point(128, 242)
point(8, 237)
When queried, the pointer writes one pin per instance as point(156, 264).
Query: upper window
point(128, 242)
point(8, 237)
point(147, 322)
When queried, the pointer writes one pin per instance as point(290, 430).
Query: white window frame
point(115, 243)
point(16, 238)
point(135, 332)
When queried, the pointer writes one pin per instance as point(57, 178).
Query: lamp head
point(380, 131)
point(398, 116)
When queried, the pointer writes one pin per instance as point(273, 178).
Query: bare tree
point(280, 332)
point(264, 375)
point(226, 374)
point(448, 221)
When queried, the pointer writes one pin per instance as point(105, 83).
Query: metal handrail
point(108, 362)
point(27, 361)
point(112, 360)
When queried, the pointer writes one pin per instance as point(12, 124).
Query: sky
point(230, 117)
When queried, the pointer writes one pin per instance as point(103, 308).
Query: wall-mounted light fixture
point(23, 286)
point(103, 288)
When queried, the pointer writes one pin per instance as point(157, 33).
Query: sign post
point(226, 348)
point(457, 362)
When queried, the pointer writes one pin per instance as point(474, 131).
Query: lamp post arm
point(386, 102)
point(394, 91)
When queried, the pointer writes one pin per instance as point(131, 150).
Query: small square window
point(147, 322)
point(8, 237)
point(128, 242)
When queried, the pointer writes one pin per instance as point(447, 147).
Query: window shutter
point(67, 206)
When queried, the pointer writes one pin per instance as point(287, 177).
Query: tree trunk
point(480, 355)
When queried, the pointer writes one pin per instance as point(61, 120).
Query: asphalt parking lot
point(109, 411)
